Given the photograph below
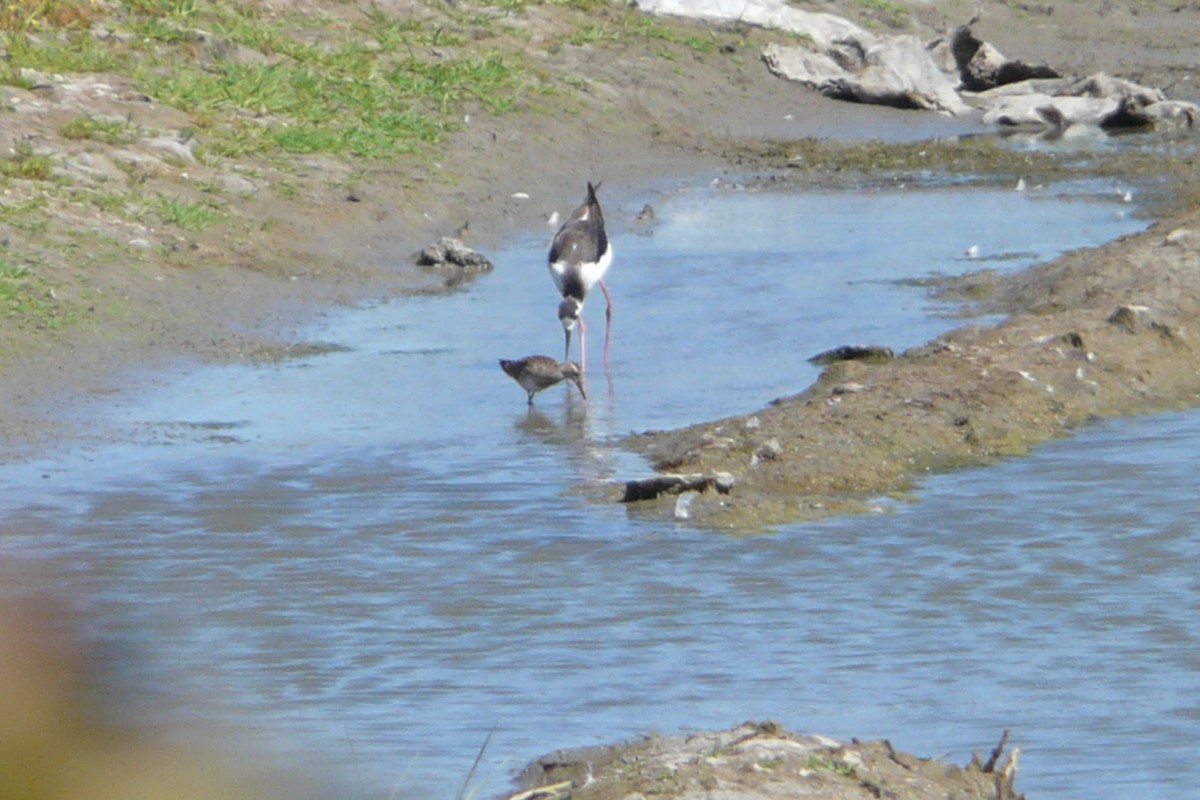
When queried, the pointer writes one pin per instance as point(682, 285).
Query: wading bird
point(535, 373)
point(579, 257)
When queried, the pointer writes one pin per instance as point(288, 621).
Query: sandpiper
point(579, 257)
point(535, 373)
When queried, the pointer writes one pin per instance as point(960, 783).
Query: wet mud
point(762, 760)
point(1095, 334)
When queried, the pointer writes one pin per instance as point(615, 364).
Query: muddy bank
point(762, 760)
point(1097, 333)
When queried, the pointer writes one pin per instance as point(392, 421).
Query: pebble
point(1177, 237)
point(769, 450)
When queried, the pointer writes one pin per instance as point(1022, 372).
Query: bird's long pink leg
point(608, 312)
point(582, 345)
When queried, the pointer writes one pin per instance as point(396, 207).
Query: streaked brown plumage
point(535, 373)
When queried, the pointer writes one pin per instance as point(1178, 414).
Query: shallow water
point(376, 557)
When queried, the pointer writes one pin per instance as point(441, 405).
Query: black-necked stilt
point(579, 257)
point(535, 373)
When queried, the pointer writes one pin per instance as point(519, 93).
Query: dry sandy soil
point(1103, 332)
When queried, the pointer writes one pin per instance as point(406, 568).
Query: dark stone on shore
point(450, 252)
point(1136, 319)
point(769, 450)
point(675, 483)
point(870, 353)
point(981, 66)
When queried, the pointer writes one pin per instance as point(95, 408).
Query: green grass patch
point(830, 765)
point(108, 202)
point(277, 83)
point(27, 15)
point(24, 215)
point(182, 9)
point(894, 14)
point(625, 24)
point(586, 6)
point(137, 206)
point(393, 34)
point(29, 299)
point(64, 52)
point(593, 32)
point(109, 131)
point(25, 164)
point(347, 101)
point(260, 83)
point(183, 213)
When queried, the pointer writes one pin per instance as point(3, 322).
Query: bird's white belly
point(594, 271)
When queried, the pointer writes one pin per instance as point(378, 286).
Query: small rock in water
point(647, 214)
